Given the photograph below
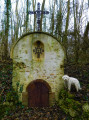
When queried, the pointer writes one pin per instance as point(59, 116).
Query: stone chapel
point(38, 67)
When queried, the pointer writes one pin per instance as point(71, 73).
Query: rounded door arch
point(38, 94)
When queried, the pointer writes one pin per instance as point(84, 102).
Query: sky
point(22, 2)
point(21, 6)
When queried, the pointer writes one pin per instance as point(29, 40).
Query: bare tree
point(27, 18)
point(59, 17)
point(53, 16)
point(34, 5)
point(86, 39)
point(42, 15)
point(65, 40)
point(7, 25)
point(17, 19)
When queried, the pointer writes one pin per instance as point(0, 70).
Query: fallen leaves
point(48, 113)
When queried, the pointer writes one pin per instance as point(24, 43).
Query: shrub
point(9, 104)
point(71, 107)
point(12, 97)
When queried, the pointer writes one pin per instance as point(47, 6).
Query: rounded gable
point(32, 33)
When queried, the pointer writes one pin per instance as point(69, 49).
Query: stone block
point(25, 98)
point(51, 98)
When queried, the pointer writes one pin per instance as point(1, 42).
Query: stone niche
point(38, 60)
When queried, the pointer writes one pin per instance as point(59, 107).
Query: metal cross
point(38, 13)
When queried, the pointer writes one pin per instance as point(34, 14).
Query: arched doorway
point(38, 93)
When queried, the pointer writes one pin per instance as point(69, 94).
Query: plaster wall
point(27, 68)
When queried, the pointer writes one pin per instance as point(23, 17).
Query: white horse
point(68, 81)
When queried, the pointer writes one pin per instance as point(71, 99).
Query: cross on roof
point(38, 13)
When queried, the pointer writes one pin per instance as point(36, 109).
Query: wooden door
point(38, 95)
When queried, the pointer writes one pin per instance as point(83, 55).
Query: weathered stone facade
point(31, 63)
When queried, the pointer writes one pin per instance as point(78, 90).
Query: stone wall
point(27, 67)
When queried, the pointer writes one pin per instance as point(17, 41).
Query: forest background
point(68, 20)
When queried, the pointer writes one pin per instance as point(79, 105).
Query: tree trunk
point(7, 18)
point(12, 35)
point(65, 42)
point(27, 16)
point(76, 51)
point(17, 20)
point(34, 4)
point(58, 30)
point(42, 15)
point(53, 17)
point(86, 39)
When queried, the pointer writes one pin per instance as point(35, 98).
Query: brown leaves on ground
point(48, 113)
